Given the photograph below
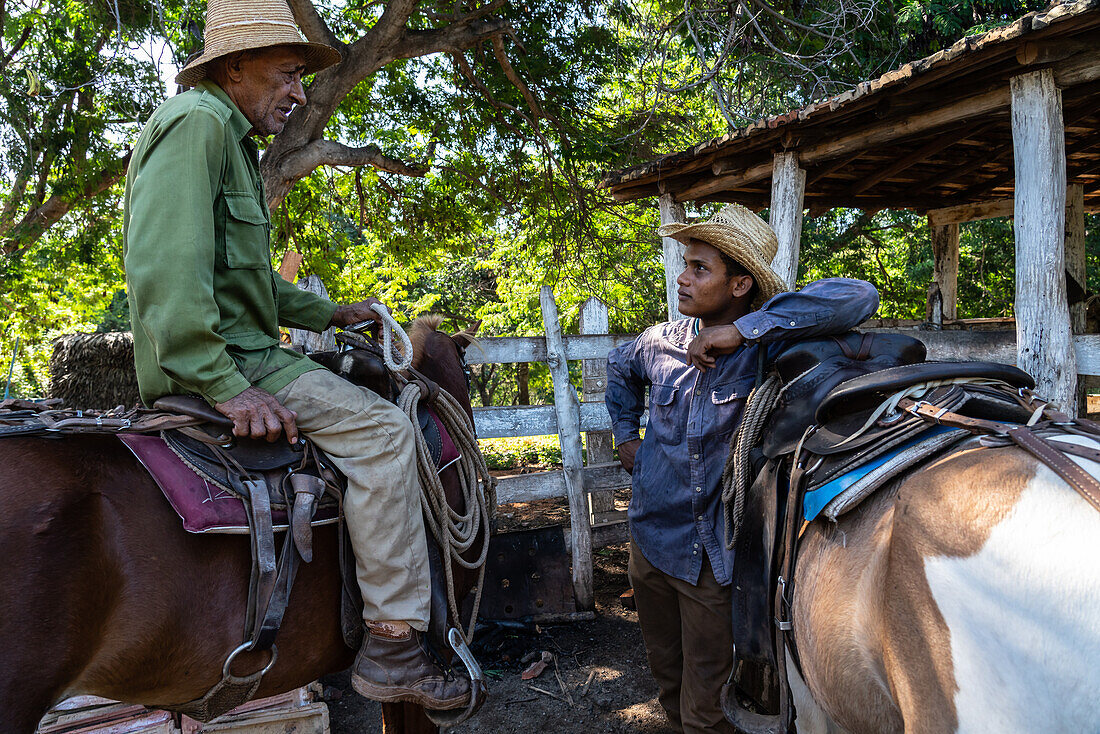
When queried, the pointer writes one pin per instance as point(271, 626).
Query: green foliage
point(518, 453)
point(515, 147)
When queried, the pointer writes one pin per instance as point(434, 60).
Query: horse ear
point(466, 337)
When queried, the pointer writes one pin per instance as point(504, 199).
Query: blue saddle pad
point(814, 501)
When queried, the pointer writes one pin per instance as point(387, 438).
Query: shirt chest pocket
point(666, 414)
point(727, 404)
point(246, 233)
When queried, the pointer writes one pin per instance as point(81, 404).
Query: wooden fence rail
point(593, 520)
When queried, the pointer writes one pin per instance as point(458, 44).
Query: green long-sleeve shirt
point(205, 303)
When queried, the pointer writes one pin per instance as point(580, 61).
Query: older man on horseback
point(699, 371)
point(207, 306)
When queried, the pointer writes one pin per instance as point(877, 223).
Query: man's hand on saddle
point(257, 414)
point(627, 451)
point(353, 313)
point(711, 343)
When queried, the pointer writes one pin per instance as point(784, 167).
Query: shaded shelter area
point(1006, 123)
point(932, 134)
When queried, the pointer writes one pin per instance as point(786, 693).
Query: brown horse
point(104, 593)
point(964, 598)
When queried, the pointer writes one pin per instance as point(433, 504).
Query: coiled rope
point(735, 475)
point(455, 532)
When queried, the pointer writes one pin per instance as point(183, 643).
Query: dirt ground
point(621, 697)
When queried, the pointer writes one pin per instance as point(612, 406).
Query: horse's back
point(977, 594)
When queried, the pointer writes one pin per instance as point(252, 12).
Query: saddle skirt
point(203, 499)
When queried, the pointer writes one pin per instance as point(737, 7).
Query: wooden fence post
point(788, 191)
point(945, 256)
point(598, 443)
point(569, 436)
point(312, 341)
point(672, 211)
point(1044, 339)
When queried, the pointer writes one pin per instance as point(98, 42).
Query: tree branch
point(513, 77)
point(313, 25)
point(454, 38)
point(301, 162)
point(38, 220)
point(15, 49)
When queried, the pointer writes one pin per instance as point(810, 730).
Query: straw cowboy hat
point(742, 235)
point(239, 25)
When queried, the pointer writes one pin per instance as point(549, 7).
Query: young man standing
point(699, 372)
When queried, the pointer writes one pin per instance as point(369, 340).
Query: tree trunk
point(523, 389)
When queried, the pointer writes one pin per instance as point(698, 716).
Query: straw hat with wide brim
point(742, 235)
point(239, 25)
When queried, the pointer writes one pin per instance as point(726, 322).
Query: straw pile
point(94, 371)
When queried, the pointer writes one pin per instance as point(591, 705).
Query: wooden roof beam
point(970, 212)
point(833, 167)
point(937, 145)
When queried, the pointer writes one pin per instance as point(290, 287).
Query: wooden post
point(945, 253)
point(1075, 250)
point(312, 341)
point(672, 211)
point(569, 437)
point(788, 189)
point(599, 444)
point(1044, 339)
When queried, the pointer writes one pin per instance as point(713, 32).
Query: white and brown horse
point(963, 598)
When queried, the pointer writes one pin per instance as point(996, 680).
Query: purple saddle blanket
point(203, 506)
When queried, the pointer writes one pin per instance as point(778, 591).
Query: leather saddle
point(831, 388)
point(298, 479)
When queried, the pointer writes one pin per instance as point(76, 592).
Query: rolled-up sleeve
point(828, 306)
point(625, 396)
point(170, 255)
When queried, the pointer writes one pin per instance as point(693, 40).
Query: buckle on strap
point(783, 624)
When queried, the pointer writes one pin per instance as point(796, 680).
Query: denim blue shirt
point(676, 505)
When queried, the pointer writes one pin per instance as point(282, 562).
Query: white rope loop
point(389, 327)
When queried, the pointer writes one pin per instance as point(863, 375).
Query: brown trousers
point(689, 642)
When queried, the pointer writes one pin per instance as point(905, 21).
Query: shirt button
point(698, 489)
point(694, 545)
point(699, 518)
point(695, 456)
point(695, 553)
point(756, 331)
point(792, 323)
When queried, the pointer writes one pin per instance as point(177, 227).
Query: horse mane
point(424, 326)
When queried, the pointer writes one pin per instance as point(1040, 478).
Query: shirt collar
point(237, 121)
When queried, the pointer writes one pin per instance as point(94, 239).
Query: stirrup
point(478, 690)
point(747, 721)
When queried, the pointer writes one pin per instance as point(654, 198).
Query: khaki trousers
point(688, 637)
point(371, 441)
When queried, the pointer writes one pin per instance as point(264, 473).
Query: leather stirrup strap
point(263, 553)
point(1084, 483)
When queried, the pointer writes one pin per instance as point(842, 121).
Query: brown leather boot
point(390, 669)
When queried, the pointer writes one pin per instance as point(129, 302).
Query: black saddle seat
point(860, 393)
point(255, 455)
point(810, 369)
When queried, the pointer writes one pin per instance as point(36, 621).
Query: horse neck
point(442, 364)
